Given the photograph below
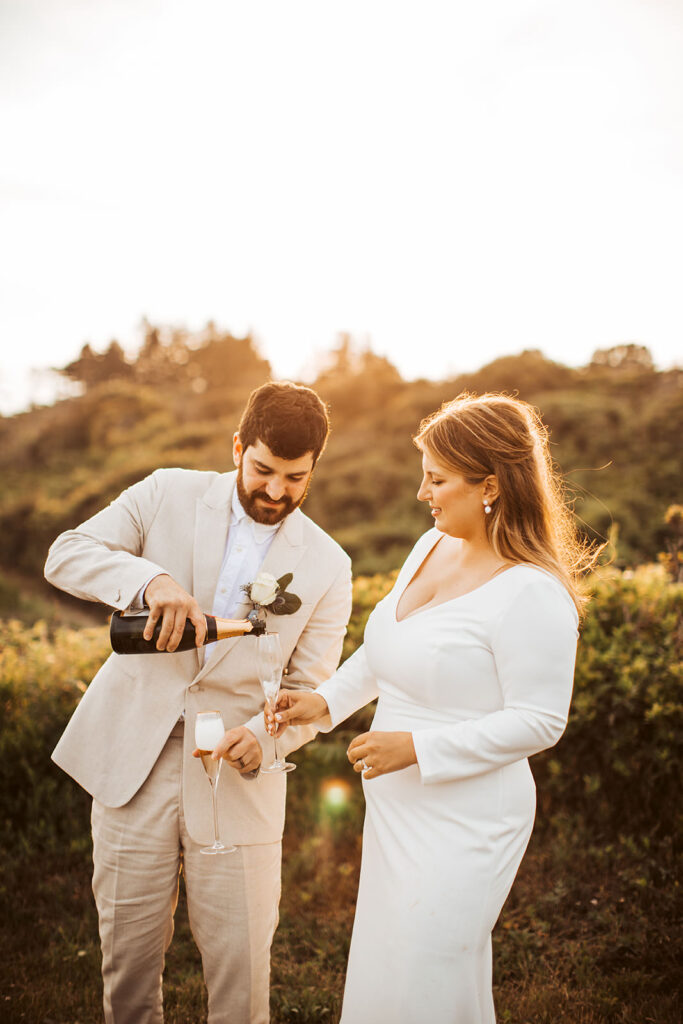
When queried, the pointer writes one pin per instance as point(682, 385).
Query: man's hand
point(169, 602)
point(240, 748)
point(377, 753)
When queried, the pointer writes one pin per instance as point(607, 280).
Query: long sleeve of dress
point(534, 648)
point(350, 688)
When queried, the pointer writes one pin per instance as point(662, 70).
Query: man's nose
point(275, 489)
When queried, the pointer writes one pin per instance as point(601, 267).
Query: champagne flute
point(269, 665)
point(208, 732)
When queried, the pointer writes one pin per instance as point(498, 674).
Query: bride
point(472, 658)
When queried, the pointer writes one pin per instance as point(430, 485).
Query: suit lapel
point(212, 520)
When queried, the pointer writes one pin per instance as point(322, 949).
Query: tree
point(93, 368)
point(356, 378)
point(523, 374)
point(624, 357)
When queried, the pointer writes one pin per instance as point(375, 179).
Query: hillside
point(615, 429)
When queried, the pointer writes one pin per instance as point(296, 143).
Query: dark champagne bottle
point(126, 632)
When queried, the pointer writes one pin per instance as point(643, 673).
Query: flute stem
point(214, 802)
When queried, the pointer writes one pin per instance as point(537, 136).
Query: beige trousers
point(232, 901)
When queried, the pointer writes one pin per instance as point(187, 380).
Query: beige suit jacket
point(176, 521)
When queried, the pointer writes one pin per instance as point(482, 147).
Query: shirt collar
point(261, 532)
point(237, 509)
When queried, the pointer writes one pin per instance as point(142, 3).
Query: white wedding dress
point(482, 681)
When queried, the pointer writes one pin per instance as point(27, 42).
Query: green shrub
point(616, 768)
point(618, 765)
point(591, 920)
point(41, 680)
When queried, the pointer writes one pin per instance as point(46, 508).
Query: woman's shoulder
point(536, 586)
point(427, 540)
point(422, 545)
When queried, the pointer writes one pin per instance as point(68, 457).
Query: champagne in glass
point(208, 732)
point(269, 665)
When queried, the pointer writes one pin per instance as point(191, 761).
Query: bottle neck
point(223, 629)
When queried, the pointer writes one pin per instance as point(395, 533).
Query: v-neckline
point(429, 607)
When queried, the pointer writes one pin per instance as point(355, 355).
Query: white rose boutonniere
point(264, 589)
point(267, 592)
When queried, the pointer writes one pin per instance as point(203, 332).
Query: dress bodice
point(442, 658)
point(481, 680)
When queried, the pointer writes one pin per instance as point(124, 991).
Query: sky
point(449, 181)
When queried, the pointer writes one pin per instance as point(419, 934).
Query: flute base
point(218, 848)
point(278, 766)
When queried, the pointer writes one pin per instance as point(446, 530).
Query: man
point(185, 542)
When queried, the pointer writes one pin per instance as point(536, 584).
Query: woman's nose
point(422, 491)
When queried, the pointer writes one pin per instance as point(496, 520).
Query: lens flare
point(335, 794)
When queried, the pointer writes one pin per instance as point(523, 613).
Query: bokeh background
point(393, 203)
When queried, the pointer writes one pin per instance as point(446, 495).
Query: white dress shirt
point(247, 546)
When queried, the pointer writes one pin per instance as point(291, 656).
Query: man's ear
point(237, 449)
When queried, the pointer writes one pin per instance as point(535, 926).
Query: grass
point(586, 935)
point(591, 933)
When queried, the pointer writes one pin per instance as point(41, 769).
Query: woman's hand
point(378, 753)
point(294, 707)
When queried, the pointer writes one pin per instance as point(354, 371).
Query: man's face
point(269, 487)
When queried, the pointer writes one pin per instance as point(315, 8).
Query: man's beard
point(269, 513)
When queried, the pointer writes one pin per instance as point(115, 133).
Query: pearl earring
point(487, 507)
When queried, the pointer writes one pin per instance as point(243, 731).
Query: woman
point(472, 657)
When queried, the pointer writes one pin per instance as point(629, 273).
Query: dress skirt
point(438, 864)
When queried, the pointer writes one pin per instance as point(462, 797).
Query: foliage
point(609, 804)
point(591, 932)
point(172, 356)
point(615, 431)
point(41, 680)
point(581, 939)
point(622, 745)
point(672, 557)
point(628, 357)
point(617, 766)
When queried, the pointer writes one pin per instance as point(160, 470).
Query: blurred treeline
point(615, 426)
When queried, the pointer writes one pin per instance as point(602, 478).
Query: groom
point(184, 542)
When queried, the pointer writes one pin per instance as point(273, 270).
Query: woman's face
point(457, 507)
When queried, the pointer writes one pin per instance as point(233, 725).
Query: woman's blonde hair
point(530, 521)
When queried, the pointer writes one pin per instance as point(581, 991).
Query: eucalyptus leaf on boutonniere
point(272, 594)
